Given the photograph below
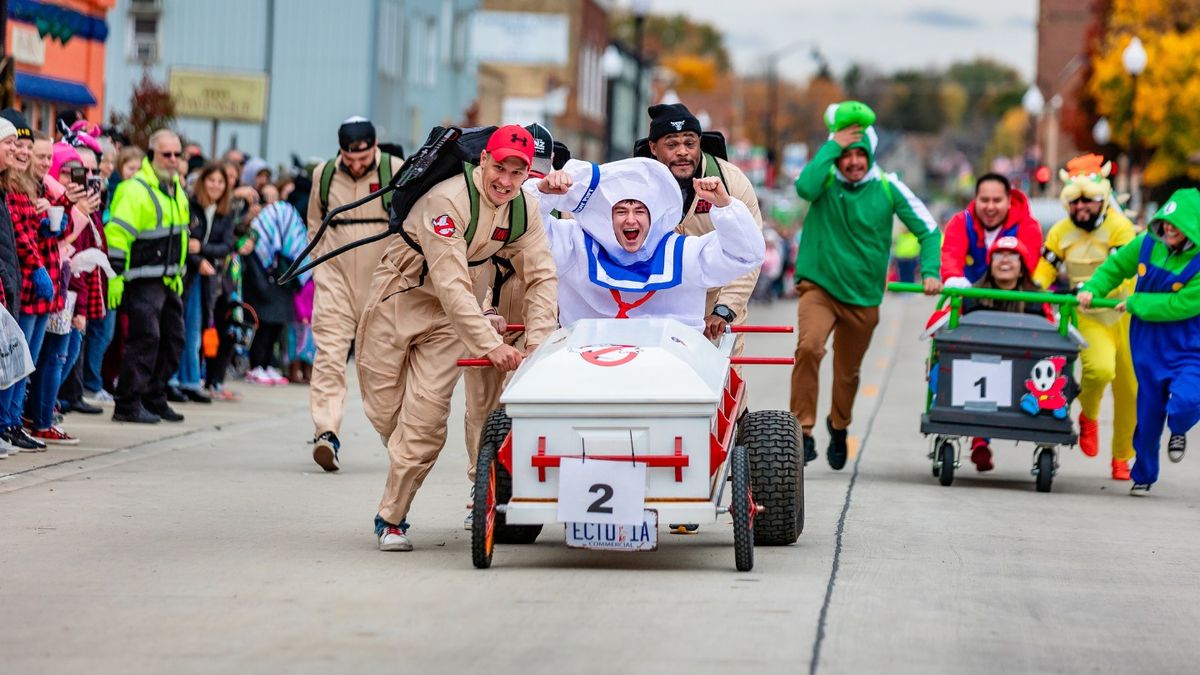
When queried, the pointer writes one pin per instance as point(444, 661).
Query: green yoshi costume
point(841, 269)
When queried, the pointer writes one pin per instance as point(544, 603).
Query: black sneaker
point(196, 396)
point(82, 406)
point(837, 451)
point(325, 451)
point(1176, 447)
point(176, 395)
point(17, 438)
point(810, 448)
point(165, 412)
point(136, 415)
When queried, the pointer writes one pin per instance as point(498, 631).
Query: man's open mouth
point(631, 233)
point(500, 190)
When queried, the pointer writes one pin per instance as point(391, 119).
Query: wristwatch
point(724, 313)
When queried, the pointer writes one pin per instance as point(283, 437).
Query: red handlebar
point(519, 327)
point(736, 360)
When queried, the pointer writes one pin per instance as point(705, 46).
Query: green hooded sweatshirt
point(1183, 211)
point(847, 237)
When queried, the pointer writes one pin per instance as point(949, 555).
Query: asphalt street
point(219, 546)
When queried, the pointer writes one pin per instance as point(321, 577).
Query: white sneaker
point(5, 449)
point(394, 539)
point(258, 376)
point(470, 520)
point(275, 376)
point(99, 398)
point(1140, 490)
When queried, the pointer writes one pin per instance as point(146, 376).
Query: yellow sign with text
point(219, 96)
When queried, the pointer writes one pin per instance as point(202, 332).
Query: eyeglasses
point(169, 155)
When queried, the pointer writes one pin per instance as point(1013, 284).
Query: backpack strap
point(473, 192)
point(516, 219)
point(384, 170)
point(327, 173)
point(712, 169)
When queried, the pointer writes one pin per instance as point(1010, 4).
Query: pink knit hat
point(63, 153)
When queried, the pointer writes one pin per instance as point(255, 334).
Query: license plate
point(599, 537)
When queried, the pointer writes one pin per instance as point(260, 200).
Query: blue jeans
point(188, 375)
point(99, 336)
point(51, 366)
point(12, 400)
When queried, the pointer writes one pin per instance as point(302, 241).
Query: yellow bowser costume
point(424, 313)
point(1077, 246)
point(343, 283)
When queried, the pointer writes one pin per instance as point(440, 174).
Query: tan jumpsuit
point(342, 287)
point(424, 313)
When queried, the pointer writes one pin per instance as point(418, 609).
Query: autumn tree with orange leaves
point(1166, 111)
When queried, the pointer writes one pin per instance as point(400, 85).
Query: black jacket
point(217, 242)
point(10, 265)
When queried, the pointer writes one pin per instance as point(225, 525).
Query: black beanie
point(562, 154)
point(18, 121)
point(671, 118)
point(356, 134)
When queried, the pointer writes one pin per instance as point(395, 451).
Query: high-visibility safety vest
point(147, 229)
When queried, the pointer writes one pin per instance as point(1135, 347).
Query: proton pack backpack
point(447, 152)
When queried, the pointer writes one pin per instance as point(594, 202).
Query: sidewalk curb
point(65, 468)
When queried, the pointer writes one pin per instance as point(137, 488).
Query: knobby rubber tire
point(739, 508)
point(495, 430)
point(483, 510)
point(776, 457)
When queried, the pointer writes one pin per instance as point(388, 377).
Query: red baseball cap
point(511, 141)
point(1008, 244)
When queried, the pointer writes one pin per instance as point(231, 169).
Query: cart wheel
point(772, 443)
point(495, 430)
point(945, 470)
point(483, 525)
point(1045, 469)
point(742, 509)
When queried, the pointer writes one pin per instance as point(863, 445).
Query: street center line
point(841, 526)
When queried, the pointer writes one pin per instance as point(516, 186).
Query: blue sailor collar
point(662, 270)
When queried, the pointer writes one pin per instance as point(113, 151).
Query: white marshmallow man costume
point(670, 275)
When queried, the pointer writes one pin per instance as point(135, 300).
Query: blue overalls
point(975, 266)
point(1166, 359)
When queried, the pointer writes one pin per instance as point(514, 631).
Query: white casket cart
point(606, 404)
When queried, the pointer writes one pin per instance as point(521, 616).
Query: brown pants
point(818, 316)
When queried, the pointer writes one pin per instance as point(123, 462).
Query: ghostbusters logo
point(677, 126)
point(608, 356)
point(443, 225)
point(1046, 388)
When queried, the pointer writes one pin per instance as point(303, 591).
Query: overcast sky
point(888, 34)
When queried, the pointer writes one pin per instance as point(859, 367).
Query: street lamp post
point(1134, 60)
point(614, 65)
point(640, 9)
point(1034, 103)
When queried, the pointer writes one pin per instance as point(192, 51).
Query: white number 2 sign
point(597, 491)
point(977, 381)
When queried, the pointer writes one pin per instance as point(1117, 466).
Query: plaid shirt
point(35, 251)
point(91, 288)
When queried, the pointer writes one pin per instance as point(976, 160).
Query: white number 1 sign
point(981, 382)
